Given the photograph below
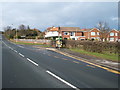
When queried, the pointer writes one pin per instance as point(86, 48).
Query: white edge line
point(5, 43)
point(32, 62)
point(21, 55)
point(8, 46)
point(62, 80)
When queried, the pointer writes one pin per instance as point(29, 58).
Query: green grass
point(24, 43)
point(44, 45)
point(112, 57)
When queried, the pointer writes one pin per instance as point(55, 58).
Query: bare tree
point(104, 29)
point(22, 30)
point(22, 27)
point(28, 27)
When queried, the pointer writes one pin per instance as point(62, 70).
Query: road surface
point(28, 67)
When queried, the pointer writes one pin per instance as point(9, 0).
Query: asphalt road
point(28, 67)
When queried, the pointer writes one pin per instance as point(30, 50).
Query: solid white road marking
point(11, 48)
point(62, 80)
point(5, 43)
point(15, 51)
point(21, 55)
point(8, 46)
point(32, 62)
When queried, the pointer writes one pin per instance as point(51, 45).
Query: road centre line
point(32, 62)
point(11, 48)
point(21, 55)
point(15, 51)
point(62, 80)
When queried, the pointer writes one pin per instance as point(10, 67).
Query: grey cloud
point(42, 15)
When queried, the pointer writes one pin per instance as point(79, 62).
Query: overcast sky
point(41, 15)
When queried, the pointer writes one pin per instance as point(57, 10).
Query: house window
point(82, 39)
point(73, 38)
point(97, 33)
point(65, 38)
point(92, 33)
point(66, 33)
point(71, 33)
point(111, 39)
point(111, 34)
point(82, 34)
point(116, 34)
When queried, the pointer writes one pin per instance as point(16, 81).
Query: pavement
point(24, 66)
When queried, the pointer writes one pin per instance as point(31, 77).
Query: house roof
point(52, 29)
point(69, 28)
point(49, 28)
point(113, 30)
point(85, 30)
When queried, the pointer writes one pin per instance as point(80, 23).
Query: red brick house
point(119, 36)
point(52, 32)
point(113, 35)
point(91, 34)
point(72, 33)
point(75, 33)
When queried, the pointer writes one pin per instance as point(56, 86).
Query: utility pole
point(76, 34)
point(59, 37)
point(16, 35)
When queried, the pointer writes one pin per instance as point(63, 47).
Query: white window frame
point(111, 39)
point(116, 34)
point(66, 32)
point(111, 34)
point(98, 33)
point(73, 34)
point(93, 33)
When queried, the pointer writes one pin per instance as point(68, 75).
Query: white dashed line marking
point(21, 55)
point(12, 49)
point(62, 80)
point(15, 51)
point(32, 62)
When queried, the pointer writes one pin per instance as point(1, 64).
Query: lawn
point(112, 57)
point(25, 43)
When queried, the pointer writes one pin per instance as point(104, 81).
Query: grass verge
point(111, 57)
point(25, 43)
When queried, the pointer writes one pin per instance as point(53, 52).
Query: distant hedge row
point(93, 46)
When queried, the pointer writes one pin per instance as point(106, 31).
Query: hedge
point(94, 46)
